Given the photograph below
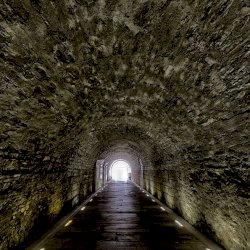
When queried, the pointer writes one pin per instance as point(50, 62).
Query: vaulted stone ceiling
point(166, 79)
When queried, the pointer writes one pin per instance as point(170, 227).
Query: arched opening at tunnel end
point(120, 170)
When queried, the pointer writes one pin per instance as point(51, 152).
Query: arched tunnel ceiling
point(168, 64)
point(128, 151)
point(121, 136)
point(130, 158)
point(166, 67)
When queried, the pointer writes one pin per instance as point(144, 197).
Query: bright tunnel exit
point(120, 171)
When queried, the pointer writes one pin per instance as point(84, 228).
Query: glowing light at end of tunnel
point(208, 249)
point(68, 223)
point(162, 208)
point(82, 208)
point(178, 223)
point(120, 170)
point(42, 249)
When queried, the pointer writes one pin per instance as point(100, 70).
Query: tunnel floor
point(123, 217)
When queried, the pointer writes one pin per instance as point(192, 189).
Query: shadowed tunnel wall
point(166, 82)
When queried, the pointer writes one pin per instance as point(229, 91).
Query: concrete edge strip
point(37, 245)
point(210, 244)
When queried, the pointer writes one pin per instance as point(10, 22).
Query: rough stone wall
point(177, 69)
point(214, 200)
point(33, 196)
point(29, 201)
point(82, 183)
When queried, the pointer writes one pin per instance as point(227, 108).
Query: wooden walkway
point(122, 217)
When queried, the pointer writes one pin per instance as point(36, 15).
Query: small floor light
point(177, 222)
point(162, 208)
point(82, 208)
point(68, 223)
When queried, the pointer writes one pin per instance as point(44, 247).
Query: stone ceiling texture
point(166, 80)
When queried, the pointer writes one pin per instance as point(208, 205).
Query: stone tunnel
point(163, 85)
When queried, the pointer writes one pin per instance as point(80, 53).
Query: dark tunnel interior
point(162, 85)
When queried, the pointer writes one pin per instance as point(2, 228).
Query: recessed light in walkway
point(177, 222)
point(68, 223)
point(82, 208)
point(162, 208)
